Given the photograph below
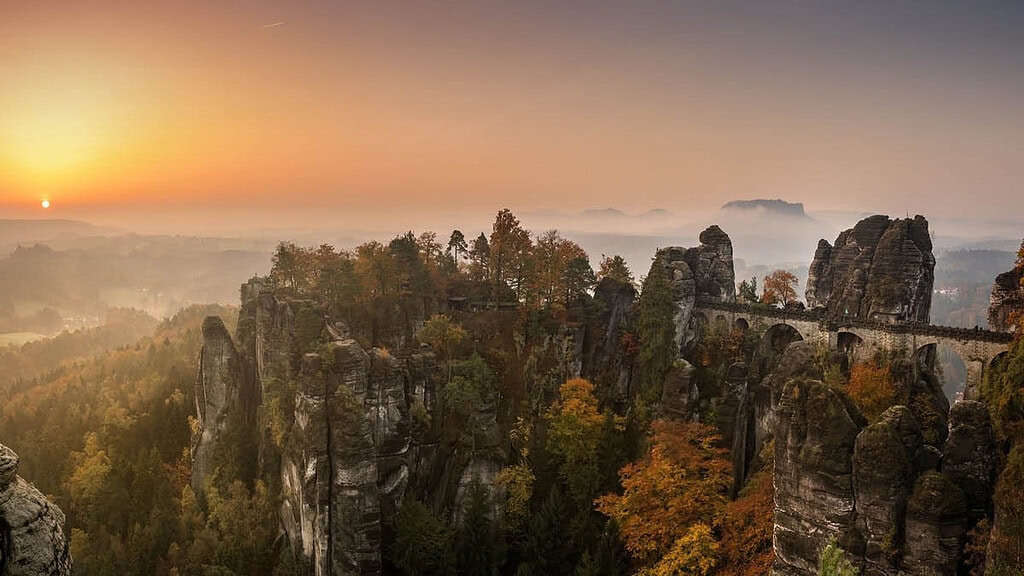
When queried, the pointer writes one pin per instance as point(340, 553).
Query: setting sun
point(46, 203)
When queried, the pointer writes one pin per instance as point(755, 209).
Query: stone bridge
point(861, 338)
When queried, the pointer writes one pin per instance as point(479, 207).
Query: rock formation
point(815, 433)
point(225, 396)
point(969, 456)
point(32, 540)
point(705, 272)
point(883, 478)
point(880, 269)
point(1007, 298)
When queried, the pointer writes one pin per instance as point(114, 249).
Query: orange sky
point(444, 106)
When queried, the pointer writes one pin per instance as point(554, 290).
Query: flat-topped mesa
point(881, 269)
point(702, 273)
point(32, 539)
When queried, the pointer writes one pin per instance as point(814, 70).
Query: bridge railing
point(833, 324)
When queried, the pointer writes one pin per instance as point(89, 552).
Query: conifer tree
point(656, 330)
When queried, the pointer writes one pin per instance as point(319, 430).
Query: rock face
point(225, 396)
point(935, 526)
point(705, 272)
point(815, 435)
point(969, 456)
point(331, 508)
point(32, 540)
point(883, 466)
point(607, 355)
point(1007, 297)
point(880, 269)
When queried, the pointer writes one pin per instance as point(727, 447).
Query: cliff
point(32, 540)
point(881, 269)
point(1007, 299)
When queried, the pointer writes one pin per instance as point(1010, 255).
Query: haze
point(191, 116)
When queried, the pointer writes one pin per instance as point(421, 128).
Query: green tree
point(457, 244)
point(748, 291)
point(545, 550)
point(423, 543)
point(833, 562)
point(476, 546)
point(479, 259)
point(656, 331)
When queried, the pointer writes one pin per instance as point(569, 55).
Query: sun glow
point(45, 204)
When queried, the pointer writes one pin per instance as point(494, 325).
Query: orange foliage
point(779, 288)
point(747, 528)
point(871, 388)
point(682, 481)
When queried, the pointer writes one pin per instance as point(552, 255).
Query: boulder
point(32, 539)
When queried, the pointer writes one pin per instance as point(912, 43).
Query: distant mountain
point(767, 207)
point(27, 232)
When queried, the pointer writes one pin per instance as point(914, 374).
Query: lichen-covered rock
point(226, 395)
point(883, 478)
point(935, 526)
point(1007, 298)
point(32, 540)
point(969, 456)
point(880, 269)
point(815, 433)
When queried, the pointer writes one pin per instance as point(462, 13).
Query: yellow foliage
point(871, 388)
point(681, 482)
point(696, 553)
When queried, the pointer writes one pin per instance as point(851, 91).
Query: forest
point(595, 479)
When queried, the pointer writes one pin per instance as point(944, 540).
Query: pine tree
point(546, 550)
point(656, 330)
point(476, 549)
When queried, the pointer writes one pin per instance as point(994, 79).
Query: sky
point(263, 113)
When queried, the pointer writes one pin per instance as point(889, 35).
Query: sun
point(45, 204)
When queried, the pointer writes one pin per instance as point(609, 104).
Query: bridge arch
point(741, 324)
point(779, 336)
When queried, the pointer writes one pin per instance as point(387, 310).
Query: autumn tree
point(656, 330)
point(510, 248)
point(376, 268)
point(747, 527)
point(779, 288)
point(615, 268)
point(443, 334)
point(672, 496)
point(871, 388)
point(561, 269)
point(574, 436)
